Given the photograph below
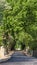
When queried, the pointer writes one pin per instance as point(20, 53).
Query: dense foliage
point(20, 21)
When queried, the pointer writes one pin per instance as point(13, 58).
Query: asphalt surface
point(18, 58)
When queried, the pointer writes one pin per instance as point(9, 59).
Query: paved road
point(18, 58)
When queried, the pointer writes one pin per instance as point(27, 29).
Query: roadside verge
point(6, 57)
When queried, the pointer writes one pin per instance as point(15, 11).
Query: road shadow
point(19, 57)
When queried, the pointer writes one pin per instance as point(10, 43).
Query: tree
point(19, 20)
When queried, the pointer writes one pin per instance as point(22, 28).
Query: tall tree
point(20, 18)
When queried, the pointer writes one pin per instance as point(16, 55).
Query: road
point(18, 58)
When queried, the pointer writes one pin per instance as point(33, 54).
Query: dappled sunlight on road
point(18, 58)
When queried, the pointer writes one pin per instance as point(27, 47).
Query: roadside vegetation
point(18, 24)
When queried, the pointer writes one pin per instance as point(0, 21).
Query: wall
point(35, 53)
point(1, 51)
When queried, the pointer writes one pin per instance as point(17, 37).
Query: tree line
point(18, 23)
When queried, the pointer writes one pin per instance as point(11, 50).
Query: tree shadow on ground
point(19, 57)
